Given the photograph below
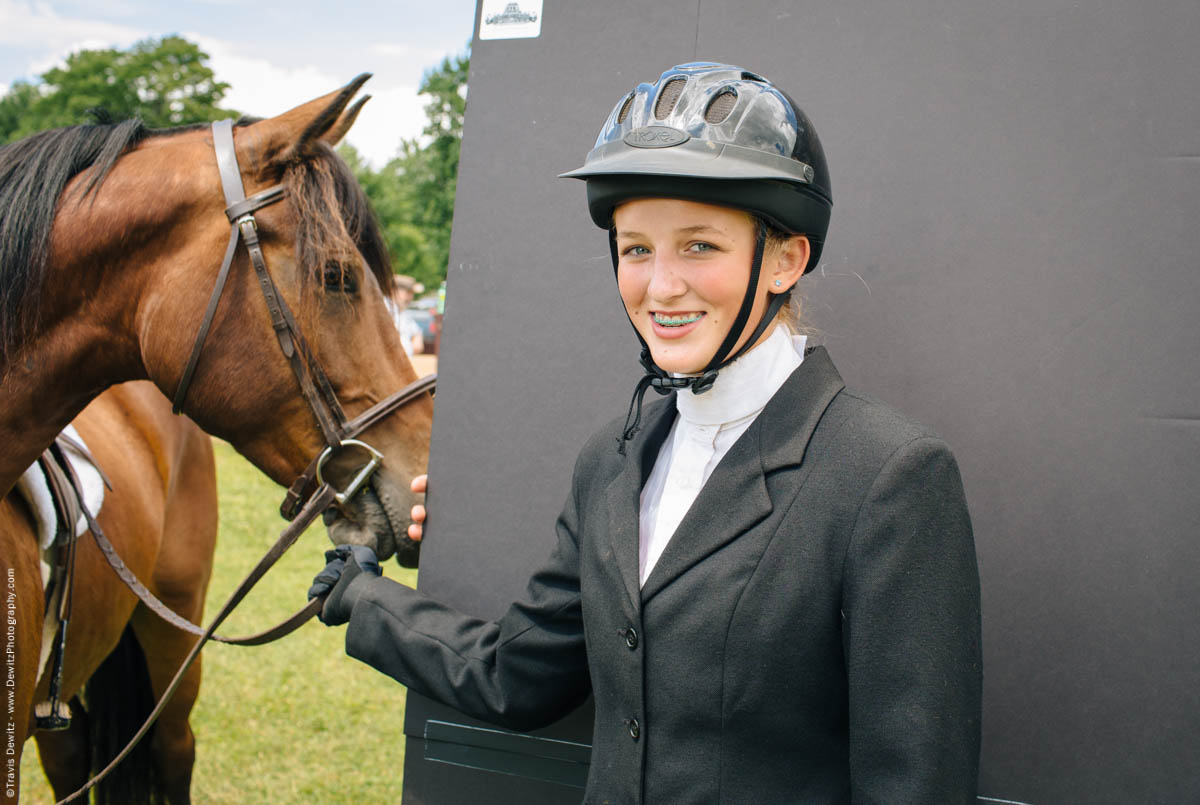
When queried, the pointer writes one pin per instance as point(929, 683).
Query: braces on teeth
point(676, 321)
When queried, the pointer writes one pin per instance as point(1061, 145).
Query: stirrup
point(52, 715)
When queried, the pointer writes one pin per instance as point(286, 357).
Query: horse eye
point(336, 277)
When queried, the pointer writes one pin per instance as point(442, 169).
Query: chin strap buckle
point(664, 383)
point(704, 382)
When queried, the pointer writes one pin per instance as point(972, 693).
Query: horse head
point(325, 255)
point(111, 241)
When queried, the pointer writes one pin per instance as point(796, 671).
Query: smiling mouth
point(675, 320)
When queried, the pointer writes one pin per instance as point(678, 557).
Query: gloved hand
point(344, 564)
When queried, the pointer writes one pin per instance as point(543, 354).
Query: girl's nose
point(666, 279)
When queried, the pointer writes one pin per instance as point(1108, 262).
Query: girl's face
point(682, 274)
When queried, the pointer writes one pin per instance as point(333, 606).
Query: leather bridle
point(338, 432)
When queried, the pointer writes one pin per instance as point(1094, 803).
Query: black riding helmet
point(722, 135)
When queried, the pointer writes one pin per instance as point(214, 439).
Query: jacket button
point(631, 637)
point(635, 729)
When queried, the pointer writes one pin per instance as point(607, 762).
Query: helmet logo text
point(656, 137)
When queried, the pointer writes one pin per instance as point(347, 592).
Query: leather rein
point(338, 432)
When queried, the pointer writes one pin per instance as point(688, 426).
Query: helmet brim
point(695, 158)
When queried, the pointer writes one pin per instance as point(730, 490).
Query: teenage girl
point(766, 580)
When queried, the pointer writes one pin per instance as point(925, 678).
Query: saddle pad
point(33, 487)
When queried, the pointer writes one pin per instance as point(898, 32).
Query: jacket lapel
point(625, 491)
point(801, 402)
point(736, 498)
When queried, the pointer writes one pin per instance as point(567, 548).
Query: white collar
point(744, 386)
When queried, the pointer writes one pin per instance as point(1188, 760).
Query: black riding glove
point(345, 563)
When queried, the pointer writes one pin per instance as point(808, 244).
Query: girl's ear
point(788, 261)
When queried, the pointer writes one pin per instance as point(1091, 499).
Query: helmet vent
point(669, 97)
point(624, 113)
point(720, 106)
point(749, 76)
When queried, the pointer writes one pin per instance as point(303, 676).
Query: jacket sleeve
point(524, 671)
point(911, 634)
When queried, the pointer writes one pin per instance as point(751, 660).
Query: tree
point(165, 82)
point(15, 107)
point(394, 203)
point(434, 169)
point(413, 194)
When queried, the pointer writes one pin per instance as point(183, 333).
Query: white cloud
point(258, 86)
point(26, 23)
point(391, 115)
point(261, 88)
point(48, 37)
point(392, 49)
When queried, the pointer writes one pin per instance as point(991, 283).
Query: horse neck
point(86, 339)
point(46, 385)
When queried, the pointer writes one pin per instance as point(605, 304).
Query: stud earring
point(778, 283)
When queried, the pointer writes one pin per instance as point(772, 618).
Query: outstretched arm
point(523, 671)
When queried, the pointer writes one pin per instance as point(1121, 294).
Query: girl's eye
point(337, 278)
point(701, 246)
point(637, 251)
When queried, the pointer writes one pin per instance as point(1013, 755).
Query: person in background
point(402, 292)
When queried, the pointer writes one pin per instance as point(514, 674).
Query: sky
point(276, 55)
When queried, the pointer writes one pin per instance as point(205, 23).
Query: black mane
point(33, 173)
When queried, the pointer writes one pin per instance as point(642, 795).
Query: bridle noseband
point(339, 434)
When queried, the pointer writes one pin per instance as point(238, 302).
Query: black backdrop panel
point(1012, 259)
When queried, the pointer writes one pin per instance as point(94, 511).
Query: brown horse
point(161, 514)
point(110, 242)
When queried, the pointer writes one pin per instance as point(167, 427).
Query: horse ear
point(338, 130)
point(291, 136)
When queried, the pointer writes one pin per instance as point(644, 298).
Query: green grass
point(296, 721)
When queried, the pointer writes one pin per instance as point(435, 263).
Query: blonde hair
point(791, 314)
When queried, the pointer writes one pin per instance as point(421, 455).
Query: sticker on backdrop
point(506, 19)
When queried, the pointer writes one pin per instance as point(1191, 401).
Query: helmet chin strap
point(664, 383)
